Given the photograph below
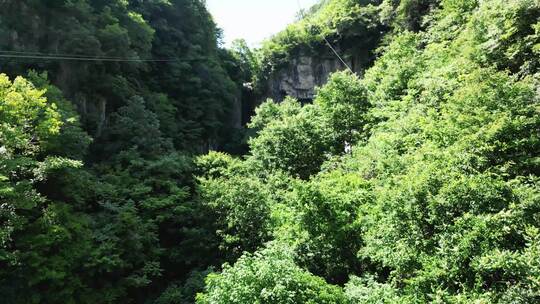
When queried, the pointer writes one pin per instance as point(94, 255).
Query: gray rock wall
point(303, 74)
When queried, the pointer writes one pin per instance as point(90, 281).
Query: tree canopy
point(416, 181)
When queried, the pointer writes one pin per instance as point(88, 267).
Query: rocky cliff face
point(304, 73)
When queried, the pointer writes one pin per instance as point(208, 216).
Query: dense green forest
point(125, 176)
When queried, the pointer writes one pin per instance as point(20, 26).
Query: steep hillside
point(103, 107)
point(301, 57)
point(414, 183)
point(188, 86)
point(413, 180)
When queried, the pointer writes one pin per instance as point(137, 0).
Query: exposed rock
point(303, 74)
point(102, 116)
point(236, 112)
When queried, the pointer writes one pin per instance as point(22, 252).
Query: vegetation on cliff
point(415, 182)
point(97, 199)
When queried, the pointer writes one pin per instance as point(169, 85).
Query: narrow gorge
point(146, 159)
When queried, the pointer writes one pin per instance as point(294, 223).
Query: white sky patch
point(254, 20)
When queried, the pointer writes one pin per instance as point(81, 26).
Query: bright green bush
point(344, 106)
point(297, 144)
point(330, 210)
point(268, 276)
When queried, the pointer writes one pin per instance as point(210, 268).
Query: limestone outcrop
point(303, 74)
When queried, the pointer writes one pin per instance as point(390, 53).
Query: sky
point(254, 20)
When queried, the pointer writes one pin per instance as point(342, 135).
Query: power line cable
point(81, 58)
point(326, 40)
point(61, 55)
point(21, 55)
point(337, 54)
